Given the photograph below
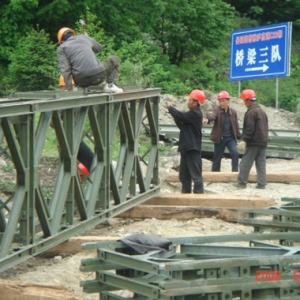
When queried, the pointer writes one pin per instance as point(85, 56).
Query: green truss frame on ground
point(198, 268)
point(281, 143)
point(29, 224)
point(281, 218)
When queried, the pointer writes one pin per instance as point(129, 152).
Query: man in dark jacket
point(225, 132)
point(77, 60)
point(255, 138)
point(190, 140)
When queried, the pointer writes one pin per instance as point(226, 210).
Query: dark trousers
point(85, 155)
point(253, 154)
point(110, 74)
point(190, 170)
point(219, 149)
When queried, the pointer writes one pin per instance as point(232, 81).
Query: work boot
point(240, 185)
point(112, 88)
point(259, 186)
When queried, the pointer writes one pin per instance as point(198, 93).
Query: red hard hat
point(197, 95)
point(223, 95)
point(82, 170)
point(248, 94)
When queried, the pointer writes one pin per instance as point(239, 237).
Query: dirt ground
point(66, 273)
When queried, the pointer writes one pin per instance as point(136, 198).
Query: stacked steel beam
point(205, 268)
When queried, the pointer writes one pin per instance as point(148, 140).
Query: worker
point(254, 142)
point(225, 132)
point(77, 60)
point(190, 140)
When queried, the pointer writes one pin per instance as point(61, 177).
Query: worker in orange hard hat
point(254, 141)
point(190, 140)
point(77, 60)
point(224, 133)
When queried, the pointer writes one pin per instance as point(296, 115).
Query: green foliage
point(175, 45)
point(15, 21)
point(183, 28)
point(94, 30)
point(33, 64)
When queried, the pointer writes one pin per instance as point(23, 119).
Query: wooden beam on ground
point(20, 290)
point(189, 206)
point(73, 245)
point(283, 177)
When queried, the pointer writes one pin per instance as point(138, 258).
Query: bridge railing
point(36, 215)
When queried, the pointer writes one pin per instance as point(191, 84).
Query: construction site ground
point(63, 272)
point(58, 274)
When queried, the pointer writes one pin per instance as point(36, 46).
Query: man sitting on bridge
point(77, 60)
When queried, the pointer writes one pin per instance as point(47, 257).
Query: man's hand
point(241, 146)
point(205, 121)
point(168, 103)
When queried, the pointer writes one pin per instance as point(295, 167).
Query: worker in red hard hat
point(224, 133)
point(190, 140)
point(254, 141)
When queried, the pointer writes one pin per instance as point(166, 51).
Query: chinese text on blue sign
point(260, 52)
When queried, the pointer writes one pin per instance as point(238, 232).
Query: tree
point(282, 11)
point(33, 64)
point(184, 27)
point(14, 23)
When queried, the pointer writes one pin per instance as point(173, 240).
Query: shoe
point(112, 88)
point(240, 185)
point(261, 187)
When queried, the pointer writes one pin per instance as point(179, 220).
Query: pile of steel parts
point(281, 143)
point(255, 266)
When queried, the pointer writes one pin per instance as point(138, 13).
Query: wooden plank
point(211, 200)
point(20, 290)
point(283, 177)
point(73, 245)
point(181, 212)
point(189, 206)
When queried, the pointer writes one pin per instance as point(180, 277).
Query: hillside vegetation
point(176, 45)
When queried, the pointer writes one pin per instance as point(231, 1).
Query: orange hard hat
point(248, 94)
point(197, 95)
point(62, 31)
point(223, 95)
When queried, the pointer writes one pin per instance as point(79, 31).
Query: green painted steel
point(197, 268)
point(281, 144)
point(36, 216)
point(281, 218)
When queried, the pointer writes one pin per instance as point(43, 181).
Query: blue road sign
point(260, 52)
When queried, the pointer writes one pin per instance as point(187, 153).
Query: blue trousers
point(230, 143)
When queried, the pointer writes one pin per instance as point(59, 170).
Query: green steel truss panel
point(284, 217)
point(197, 268)
point(36, 216)
point(281, 143)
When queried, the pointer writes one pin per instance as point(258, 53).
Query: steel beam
point(32, 221)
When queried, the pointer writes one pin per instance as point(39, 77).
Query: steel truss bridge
point(31, 221)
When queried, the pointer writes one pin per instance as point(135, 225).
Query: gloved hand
point(241, 146)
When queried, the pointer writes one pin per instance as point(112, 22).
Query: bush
point(33, 64)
